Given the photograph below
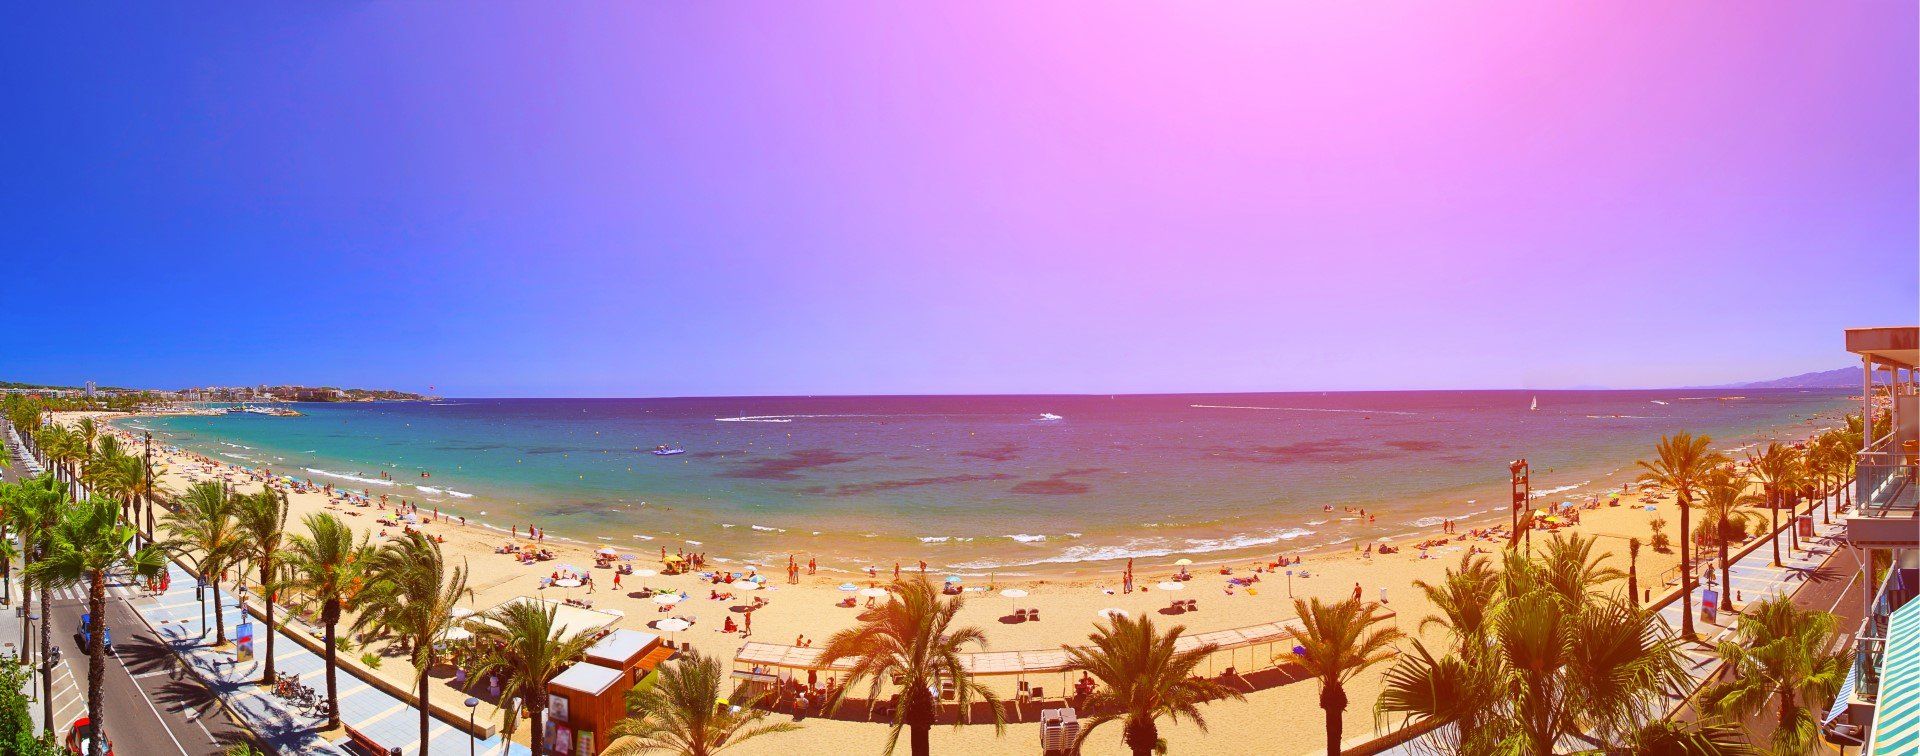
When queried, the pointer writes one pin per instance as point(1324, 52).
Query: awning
point(1846, 693)
point(1896, 720)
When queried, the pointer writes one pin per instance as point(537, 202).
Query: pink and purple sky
point(845, 198)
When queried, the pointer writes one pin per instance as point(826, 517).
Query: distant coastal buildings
point(260, 393)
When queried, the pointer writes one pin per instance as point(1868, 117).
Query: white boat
point(1536, 404)
point(1048, 416)
point(667, 451)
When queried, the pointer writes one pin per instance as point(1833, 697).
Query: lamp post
point(473, 707)
point(200, 592)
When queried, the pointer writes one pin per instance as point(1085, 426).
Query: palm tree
point(204, 529)
point(325, 567)
point(682, 714)
point(1681, 463)
point(1779, 655)
point(1530, 668)
point(1778, 469)
point(1633, 571)
point(261, 520)
point(88, 431)
point(32, 511)
point(1144, 678)
point(911, 638)
point(1671, 738)
point(1722, 495)
point(520, 642)
point(87, 545)
point(1340, 640)
point(413, 592)
point(1570, 569)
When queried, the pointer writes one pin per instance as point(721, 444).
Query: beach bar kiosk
point(632, 652)
point(582, 705)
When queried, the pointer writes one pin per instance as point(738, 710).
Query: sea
point(1013, 485)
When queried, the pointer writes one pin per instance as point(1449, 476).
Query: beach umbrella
point(608, 552)
point(456, 634)
point(1171, 585)
point(567, 583)
point(667, 598)
point(1014, 593)
point(747, 585)
point(461, 612)
point(873, 592)
point(953, 578)
point(645, 573)
point(671, 624)
point(627, 557)
point(1182, 562)
point(1652, 508)
point(1111, 612)
point(849, 587)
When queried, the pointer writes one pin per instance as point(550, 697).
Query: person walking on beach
point(896, 570)
point(1357, 592)
point(923, 566)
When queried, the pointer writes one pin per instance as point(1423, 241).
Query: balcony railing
point(1871, 642)
point(1884, 485)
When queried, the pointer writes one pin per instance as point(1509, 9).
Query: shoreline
point(1274, 539)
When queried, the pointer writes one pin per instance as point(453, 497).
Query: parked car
point(86, 635)
point(82, 733)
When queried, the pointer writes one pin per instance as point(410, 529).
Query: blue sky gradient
point(769, 198)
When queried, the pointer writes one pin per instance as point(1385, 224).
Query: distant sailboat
point(1536, 404)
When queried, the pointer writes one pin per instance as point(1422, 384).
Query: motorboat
point(1050, 417)
point(664, 450)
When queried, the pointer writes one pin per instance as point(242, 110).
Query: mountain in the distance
point(1846, 377)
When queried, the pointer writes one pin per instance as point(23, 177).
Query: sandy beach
point(810, 608)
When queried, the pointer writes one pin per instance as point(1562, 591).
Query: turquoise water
point(987, 483)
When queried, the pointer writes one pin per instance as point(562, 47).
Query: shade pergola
point(1037, 661)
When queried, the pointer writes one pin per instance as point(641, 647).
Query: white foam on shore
point(428, 489)
point(1145, 548)
point(643, 537)
point(1428, 522)
point(765, 529)
point(1025, 538)
point(933, 539)
point(458, 494)
point(344, 476)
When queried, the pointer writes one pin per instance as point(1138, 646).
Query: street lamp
point(200, 592)
point(473, 707)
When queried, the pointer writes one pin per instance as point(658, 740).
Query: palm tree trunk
point(46, 658)
point(266, 570)
point(1142, 735)
point(1333, 699)
point(425, 722)
point(538, 735)
point(333, 690)
point(1793, 516)
point(919, 721)
point(1686, 568)
point(96, 658)
point(219, 618)
point(1773, 512)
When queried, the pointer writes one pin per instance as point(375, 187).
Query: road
point(152, 704)
point(1835, 588)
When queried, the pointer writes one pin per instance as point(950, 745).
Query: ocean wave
point(1428, 522)
point(1559, 489)
point(459, 494)
point(236, 446)
point(935, 539)
point(1145, 548)
point(765, 529)
point(1025, 538)
point(1316, 522)
point(643, 537)
point(235, 456)
point(344, 476)
point(429, 489)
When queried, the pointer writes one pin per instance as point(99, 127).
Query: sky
point(769, 198)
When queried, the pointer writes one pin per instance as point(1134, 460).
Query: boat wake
point(344, 476)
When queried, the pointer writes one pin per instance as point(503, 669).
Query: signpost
point(243, 642)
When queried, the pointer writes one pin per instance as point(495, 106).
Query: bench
point(364, 744)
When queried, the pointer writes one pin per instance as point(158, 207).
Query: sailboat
point(1536, 404)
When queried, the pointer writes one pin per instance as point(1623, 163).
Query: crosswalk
point(114, 591)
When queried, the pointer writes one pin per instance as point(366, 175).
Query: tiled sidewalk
point(369, 710)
